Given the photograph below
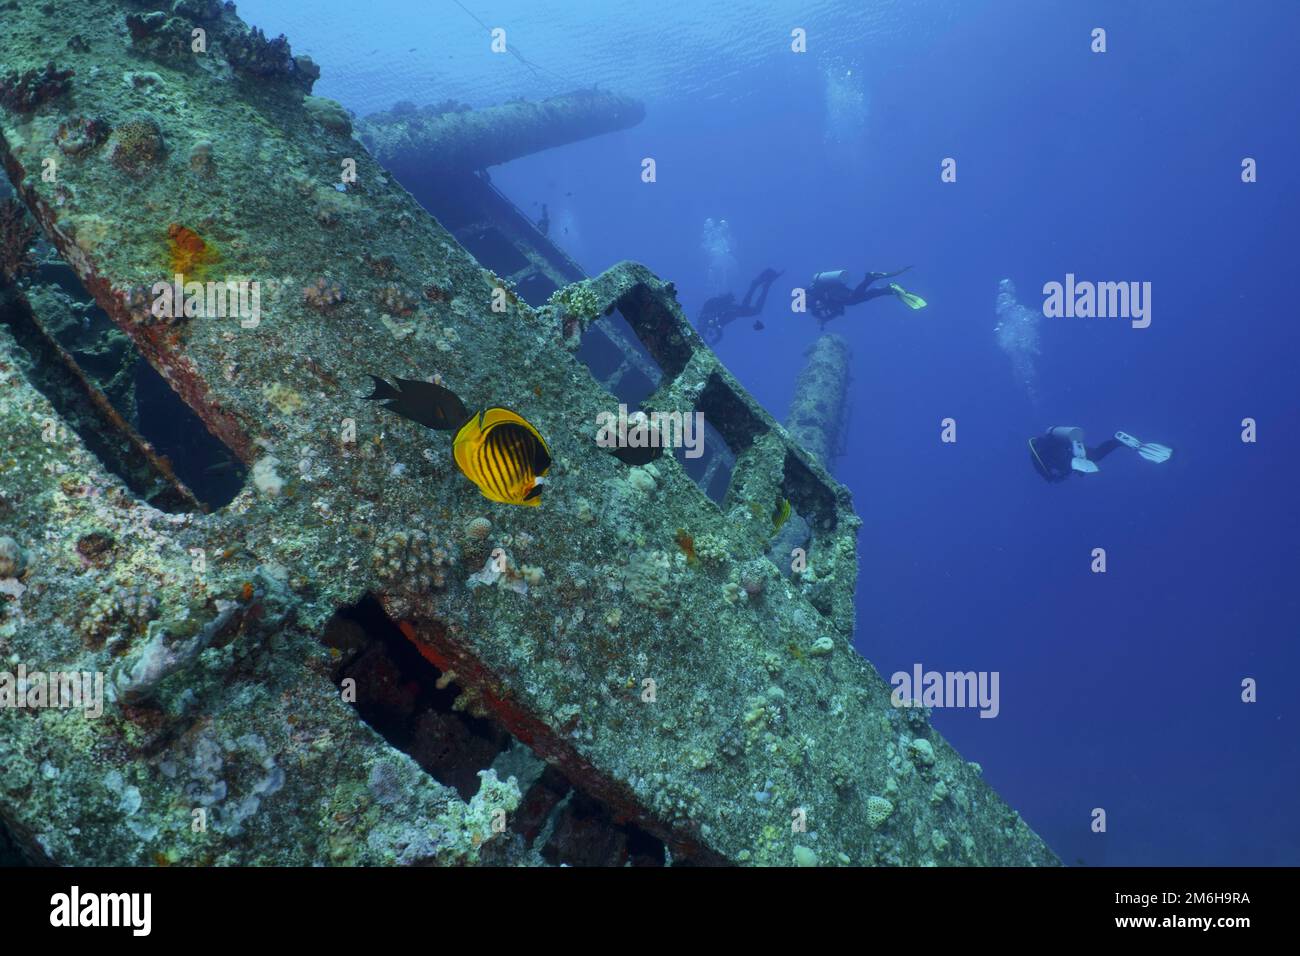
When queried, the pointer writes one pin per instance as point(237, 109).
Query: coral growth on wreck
point(158, 34)
point(13, 560)
point(136, 146)
point(576, 306)
point(412, 560)
point(395, 301)
point(80, 134)
point(251, 53)
point(323, 294)
point(119, 612)
point(23, 92)
point(648, 581)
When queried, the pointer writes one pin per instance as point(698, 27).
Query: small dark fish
point(758, 325)
point(424, 403)
point(638, 456)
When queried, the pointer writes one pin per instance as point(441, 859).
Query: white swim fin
point(1148, 450)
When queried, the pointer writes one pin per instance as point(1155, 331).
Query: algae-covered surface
point(630, 631)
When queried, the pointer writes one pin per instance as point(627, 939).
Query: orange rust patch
point(188, 253)
point(687, 545)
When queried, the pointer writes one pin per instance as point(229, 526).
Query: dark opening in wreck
point(423, 712)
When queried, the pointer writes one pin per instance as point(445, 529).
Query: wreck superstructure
point(631, 635)
point(819, 411)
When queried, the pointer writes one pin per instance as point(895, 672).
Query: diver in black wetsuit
point(1060, 452)
point(723, 309)
point(829, 294)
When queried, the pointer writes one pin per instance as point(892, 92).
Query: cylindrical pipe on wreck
point(475, 139)
point(820, 403)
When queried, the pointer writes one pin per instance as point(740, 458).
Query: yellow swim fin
point(911, 300)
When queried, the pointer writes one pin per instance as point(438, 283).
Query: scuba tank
point(831, 278)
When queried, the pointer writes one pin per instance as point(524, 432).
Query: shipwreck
point(318, 643)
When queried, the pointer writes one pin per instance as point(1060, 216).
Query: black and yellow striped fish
point(497, 449)
point(504, 455)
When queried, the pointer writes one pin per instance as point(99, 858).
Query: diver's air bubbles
point(719, 252)
point(846, 102)
point(1017, 336)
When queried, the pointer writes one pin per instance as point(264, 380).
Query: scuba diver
point(829, 294)
point(544, 224)
point(722, 309)
point(1061, 452)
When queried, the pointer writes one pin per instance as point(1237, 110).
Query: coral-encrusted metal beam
point(448, 138)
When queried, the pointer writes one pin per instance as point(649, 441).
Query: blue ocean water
point(1120, 690)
